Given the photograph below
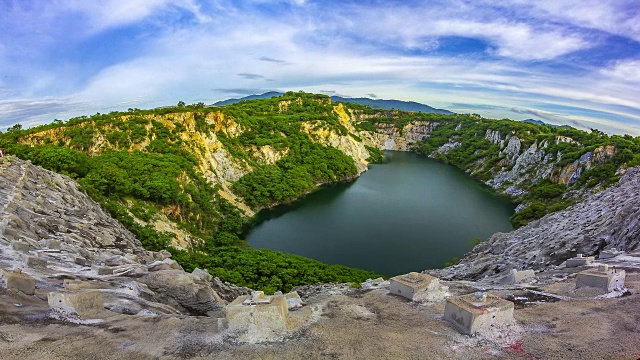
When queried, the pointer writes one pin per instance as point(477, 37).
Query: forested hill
point(189, 178)
point(410, 106)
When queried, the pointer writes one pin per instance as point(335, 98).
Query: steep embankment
point(609, 219)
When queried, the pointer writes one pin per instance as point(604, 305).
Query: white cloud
point(625, 70)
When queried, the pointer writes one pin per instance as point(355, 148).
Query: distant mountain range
point(374, 103)
point(540, 122)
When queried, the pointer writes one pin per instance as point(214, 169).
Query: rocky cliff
point(609, 219)
point(53, 232)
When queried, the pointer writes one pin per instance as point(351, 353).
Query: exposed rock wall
point(55, 233)
point(389, 137)
point(607, 219)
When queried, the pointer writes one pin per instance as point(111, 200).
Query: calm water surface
point(409, 213)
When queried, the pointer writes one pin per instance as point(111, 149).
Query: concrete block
point(36, 262)
point(602, 278)
point(87, 304)
point(520, 276)
point(17, 281)
point(411, 284)
point(268, 312)
point(472, 314)
point(20, 246)
point(580, 260)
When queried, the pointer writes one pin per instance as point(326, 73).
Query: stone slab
point(608, 254)
point(103, 270)
point(580, 261)
point(470, 316)
point(16, 280)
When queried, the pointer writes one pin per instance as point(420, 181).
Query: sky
point(574, 62)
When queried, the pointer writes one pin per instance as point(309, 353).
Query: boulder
point(20, 246)
point(185, 292)
point(53, 244)
point(202, 275)
point(227, 291)
point(17, 281)
point(36, 262)
point(166, 264)
point(293, 301)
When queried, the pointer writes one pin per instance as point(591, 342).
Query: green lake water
point(409, 213)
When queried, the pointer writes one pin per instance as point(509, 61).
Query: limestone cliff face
point(608, 219)
point(348, 144)
point(571, 172)
point(531, 164)
point(388, 137)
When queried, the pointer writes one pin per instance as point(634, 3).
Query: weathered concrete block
point(36, 262)
point(522, 276)
point(580, 260)
point(411, 284)
point(17, 281)
point(472, 314)
point(262, 311)
point(103, 270)
point(602, 278)
point(20, 246)
point(87, 304)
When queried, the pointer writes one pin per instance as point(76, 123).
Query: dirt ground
point(358, 325)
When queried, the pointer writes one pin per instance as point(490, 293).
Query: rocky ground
point(154, 310)
point(355, 324)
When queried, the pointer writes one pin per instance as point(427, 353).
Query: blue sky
point(573, 62)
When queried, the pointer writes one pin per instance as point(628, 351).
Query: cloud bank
point(570, 62)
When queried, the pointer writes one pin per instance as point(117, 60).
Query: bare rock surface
point(609, 219)
point(52, 231)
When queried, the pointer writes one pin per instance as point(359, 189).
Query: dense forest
point(142, 165)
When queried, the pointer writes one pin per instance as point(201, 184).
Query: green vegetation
point(375, 155)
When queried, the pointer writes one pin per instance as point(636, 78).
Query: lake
point(409, 213)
